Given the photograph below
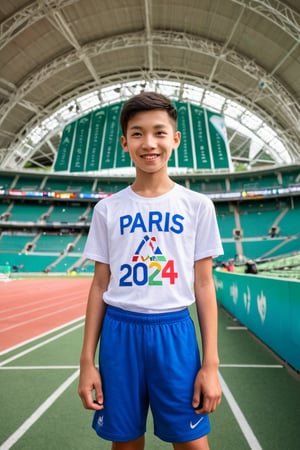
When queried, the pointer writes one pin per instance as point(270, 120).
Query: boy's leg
point(123, 419)
point(175, 361)
point(137, 444)
point(197, 444)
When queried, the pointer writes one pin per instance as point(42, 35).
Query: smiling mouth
point(149, 157)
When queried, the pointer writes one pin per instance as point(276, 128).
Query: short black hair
point(146, 101)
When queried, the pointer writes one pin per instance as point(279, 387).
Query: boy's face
point(150, 140)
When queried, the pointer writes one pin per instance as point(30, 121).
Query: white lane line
point(27, 311)
point(31, 349)
point(254, 366)
point(240, 418)
point(43, 316)
point(243, 366)
point(236, 328)
point(28, 341)
point(38, 413)
point(28, 307)
point(39, 367)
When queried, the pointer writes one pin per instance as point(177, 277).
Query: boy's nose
point(149, 142)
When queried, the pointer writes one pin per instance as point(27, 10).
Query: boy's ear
point(124, 143)
point(177, 138)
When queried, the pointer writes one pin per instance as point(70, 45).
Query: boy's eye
point(158, 133)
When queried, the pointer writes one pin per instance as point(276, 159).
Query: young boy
point(152, 244)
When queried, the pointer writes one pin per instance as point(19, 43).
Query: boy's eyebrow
point(138, 127)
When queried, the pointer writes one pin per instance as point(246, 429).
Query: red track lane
point(31, 307)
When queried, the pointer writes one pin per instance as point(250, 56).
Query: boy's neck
point(151, 186)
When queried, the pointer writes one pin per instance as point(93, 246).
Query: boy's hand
point(207, 385)
point(90, 381)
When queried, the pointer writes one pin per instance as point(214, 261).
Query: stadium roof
point(62, 58)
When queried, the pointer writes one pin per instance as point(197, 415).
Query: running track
point(32, 307)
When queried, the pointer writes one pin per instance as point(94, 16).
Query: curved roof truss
point(265, 95)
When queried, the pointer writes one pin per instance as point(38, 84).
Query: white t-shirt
point(151, 245)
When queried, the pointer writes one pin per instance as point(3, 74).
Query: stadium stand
point(21, 212)
point(44, 219)
point(66, 214)
point(13, 242)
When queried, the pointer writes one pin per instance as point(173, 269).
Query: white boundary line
point(236, 328)
point(50, 400)
point(35, 319)
point(41, 344)
point(253, 366)
point(53, 330)
point(39, 367)
point(240, 418)
point(34, 310)
point(58, 367)
point(38, 413)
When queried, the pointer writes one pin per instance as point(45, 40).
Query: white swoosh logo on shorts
point(194, 425)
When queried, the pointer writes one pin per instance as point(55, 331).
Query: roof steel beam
point(226, 44)
point(148, 28)
point(273, 10)
point(160, 39)
point(290, 109)
point(277, 12)
point(57, 20)
point(27, 16)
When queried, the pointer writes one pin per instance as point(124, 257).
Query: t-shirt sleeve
point(208, 240)
point(96, 247)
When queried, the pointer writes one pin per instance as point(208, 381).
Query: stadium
point(232, 69)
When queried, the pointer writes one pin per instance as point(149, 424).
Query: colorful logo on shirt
point(148, 245)
point(148, 266)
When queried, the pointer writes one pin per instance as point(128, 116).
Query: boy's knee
point(136, 444)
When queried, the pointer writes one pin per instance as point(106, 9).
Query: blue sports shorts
point(148, 360)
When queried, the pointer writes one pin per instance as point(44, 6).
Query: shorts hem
point(184, 438)
point(118, 438)
point(115, 438)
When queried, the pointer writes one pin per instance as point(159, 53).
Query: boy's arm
point(207, 381)
point(89, 379)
